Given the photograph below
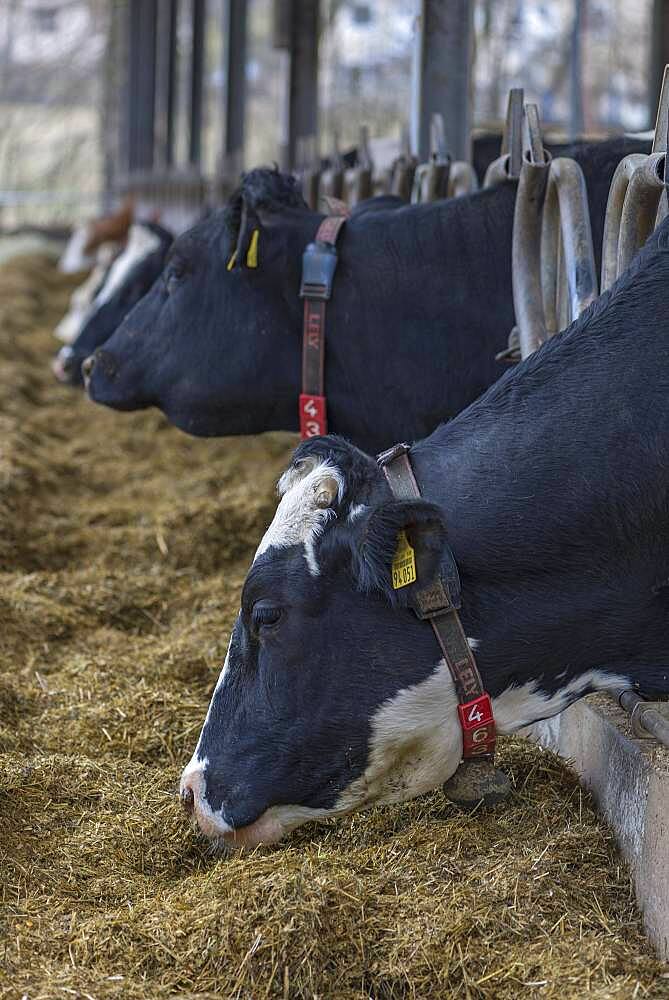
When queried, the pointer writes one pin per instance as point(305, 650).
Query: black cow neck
point(555, 487)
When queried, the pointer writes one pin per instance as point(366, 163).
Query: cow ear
point(399, 548)
point(245, 253)
point(258, 202)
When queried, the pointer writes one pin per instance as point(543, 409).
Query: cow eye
point(264, 616)
point(174, 276)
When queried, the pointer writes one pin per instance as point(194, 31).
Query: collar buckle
point(319, 263)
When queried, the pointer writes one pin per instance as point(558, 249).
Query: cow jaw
point(416, 744)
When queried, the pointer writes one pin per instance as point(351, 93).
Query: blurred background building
point(77, 78)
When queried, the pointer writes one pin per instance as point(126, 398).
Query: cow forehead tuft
point(298, 519)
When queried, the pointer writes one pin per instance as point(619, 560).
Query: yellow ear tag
point(252, 253)
point(231, 262)
point(404, 562)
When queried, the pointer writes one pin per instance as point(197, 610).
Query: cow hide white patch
point(298, 519)
point(81, 300)
point(141, 242)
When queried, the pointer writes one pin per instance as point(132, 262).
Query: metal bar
point(659, 55)
point(526, 242)
point(441, 75)
point(462, 179)
point(525, 253)
point(166, 30)
point(576, 114)
point(302, 98)
point(660, 137)
point(143, 16)
point(568, 272)
point(614, 210)
point(640, 208)
point(234, 106)
point(647, 718)
point(196, 83)
point(512, 136)
point(497, 171)
point(534, 139)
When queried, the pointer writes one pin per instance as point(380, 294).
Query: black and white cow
point(83, 297)
point(552, 491)
point(422, 302)
point(127, 281)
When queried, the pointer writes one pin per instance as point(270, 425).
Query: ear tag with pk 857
point(404, 562)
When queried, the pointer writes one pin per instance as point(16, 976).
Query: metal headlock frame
point(401, 174)
point(441, 177)
point(637, 200)
point(332, 178)
point(553, 263)
point(358, 184)
point(507, 165)
point(308, 172)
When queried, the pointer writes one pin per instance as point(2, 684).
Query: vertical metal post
point(234, 109)
point(166, 41)
point(196, 82)
point(576, 114)
point(441, 75)
point(659, 54)
point(302, 97)
point(141, 92)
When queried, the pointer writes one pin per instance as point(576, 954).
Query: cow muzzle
point(267, 829)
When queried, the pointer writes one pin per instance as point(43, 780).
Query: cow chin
point(271, 826)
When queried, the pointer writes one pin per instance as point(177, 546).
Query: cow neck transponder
point(434, 603)
point(319, 262)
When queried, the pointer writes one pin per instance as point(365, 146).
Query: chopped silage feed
point(123, 546)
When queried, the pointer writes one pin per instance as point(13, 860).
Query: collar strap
point(319, 263)
point(435, 604)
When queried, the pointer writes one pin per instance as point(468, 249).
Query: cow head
point(79, 253)
point(225, 315)
point(130, 277)
point(333, 695)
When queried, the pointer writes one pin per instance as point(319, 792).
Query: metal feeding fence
point(171, 99)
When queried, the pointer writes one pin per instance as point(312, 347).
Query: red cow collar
point(319, 262)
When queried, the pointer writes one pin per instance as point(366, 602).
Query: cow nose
point(87, 366)
point(188, 799)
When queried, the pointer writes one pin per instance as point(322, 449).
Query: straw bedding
point(123, 545)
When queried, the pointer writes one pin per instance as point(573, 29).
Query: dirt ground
point(123, 545)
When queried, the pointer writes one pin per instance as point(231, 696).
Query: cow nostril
point(188, 800)
point(88, 365)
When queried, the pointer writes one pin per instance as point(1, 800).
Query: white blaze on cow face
point(81, 300)
point(301, 517)
point(74, 259)
point(141, 242)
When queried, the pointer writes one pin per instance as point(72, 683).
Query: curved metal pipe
point(568, 274)
point(647, 718)
point(332, 183)
point(462, 179)
point(430, 182)
point(401, 177)
point(357, 185)
point(614, 210)
point(526, 254)
point(640, 208)
point(310, 180)
point(498, 171)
